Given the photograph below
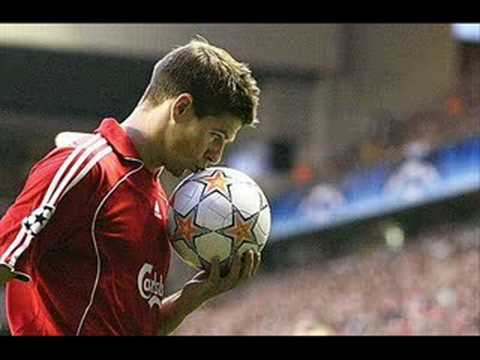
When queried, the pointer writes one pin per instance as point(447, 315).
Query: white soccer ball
point(217, 212)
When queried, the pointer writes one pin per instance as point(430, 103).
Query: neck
point(146, 132)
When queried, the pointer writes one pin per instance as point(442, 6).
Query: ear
point(182, 107)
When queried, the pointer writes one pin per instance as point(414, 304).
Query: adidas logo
point(156, 211)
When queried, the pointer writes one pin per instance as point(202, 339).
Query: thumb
point(214, 275)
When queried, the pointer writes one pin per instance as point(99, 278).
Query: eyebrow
point(225, 135)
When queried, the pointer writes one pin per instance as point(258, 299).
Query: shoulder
point(64, 167)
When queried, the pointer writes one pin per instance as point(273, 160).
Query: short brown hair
point(218, 83)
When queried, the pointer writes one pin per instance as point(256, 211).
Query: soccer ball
point(217, 212)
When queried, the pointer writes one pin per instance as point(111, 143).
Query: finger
point(247, 265)
point(256, 264)
point(236, 267)
point(234, 275)
point(252, 267)
point(214, 275)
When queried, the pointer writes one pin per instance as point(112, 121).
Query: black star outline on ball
point(217, 182)
point(241, 229)
point(263, 200)
point(262, 245)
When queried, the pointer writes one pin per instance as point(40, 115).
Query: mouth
point(193, 170)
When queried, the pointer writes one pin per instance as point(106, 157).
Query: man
point(84, 248)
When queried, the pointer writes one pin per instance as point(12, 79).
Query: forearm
point(174, 310)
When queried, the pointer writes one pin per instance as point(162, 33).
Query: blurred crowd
point(429, 287)
point(450, 119)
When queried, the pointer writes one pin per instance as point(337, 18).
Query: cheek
point(200, 143)
point(192, 146)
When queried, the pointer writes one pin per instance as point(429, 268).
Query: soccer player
point(84, 248)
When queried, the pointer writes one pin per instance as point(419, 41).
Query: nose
point(213, 159)
point(215, 155)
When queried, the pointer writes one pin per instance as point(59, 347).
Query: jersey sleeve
point(55, 200)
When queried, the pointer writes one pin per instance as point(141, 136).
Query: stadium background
point(368, 149)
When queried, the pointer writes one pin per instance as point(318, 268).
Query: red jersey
point(88, 235)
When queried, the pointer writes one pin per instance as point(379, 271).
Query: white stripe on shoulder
point(19, 238)
point(101, 154)
point(66, 163)
point(81, 160)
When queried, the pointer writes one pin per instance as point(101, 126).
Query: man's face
point(200, 143)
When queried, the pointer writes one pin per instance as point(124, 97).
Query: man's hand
point(206, 285)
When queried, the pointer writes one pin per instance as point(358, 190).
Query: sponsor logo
point(150, 285)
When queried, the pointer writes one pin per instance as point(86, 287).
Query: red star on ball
point(216, 182)
point(242, 229)
point(186, 228)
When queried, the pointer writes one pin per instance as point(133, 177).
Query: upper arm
point(52, 203)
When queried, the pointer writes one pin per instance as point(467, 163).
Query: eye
point(217, 137)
